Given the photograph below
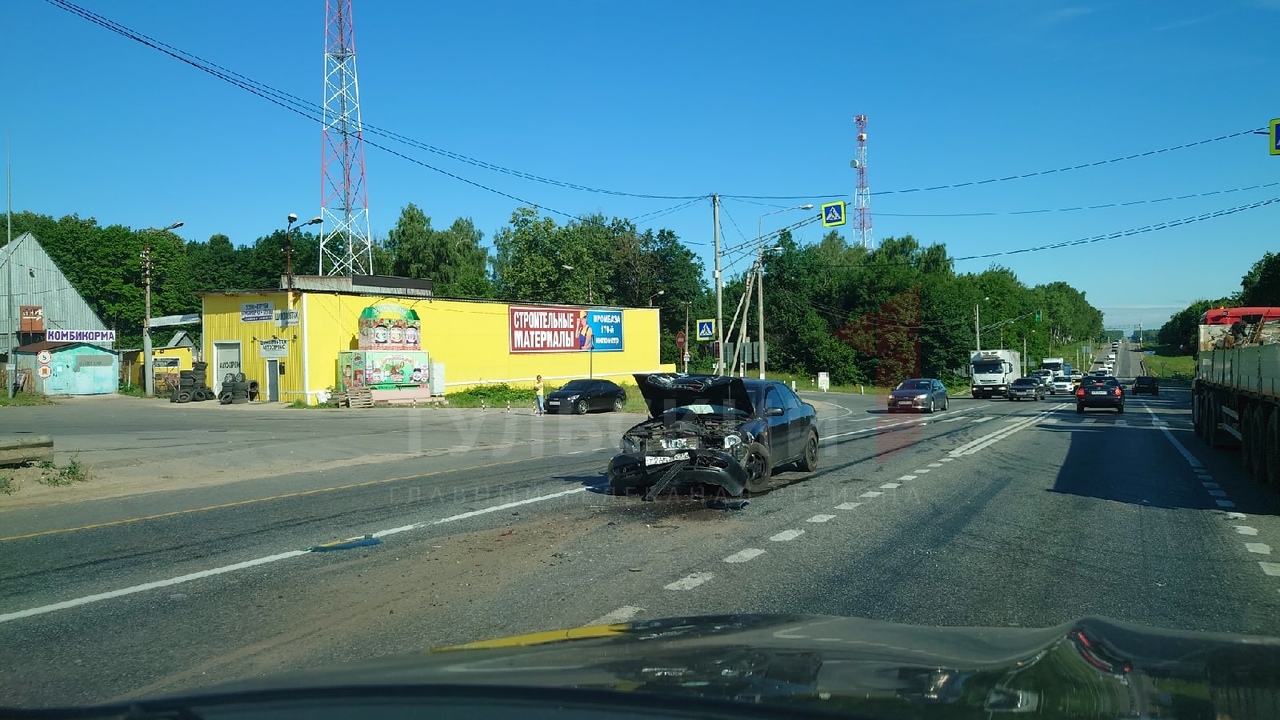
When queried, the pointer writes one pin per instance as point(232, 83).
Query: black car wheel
point(1120, 408)
point(946, 403)
point(759, 468)
point(580, 407)
point(1079, 409)
point(931, 405)
point(618, 404)
point(809, 461)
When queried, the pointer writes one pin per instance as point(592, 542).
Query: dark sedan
point(716, 431)
point(581, 396)
point(1146, 384)
point(925, 394)
point(1103, 392)
point(1026, 388)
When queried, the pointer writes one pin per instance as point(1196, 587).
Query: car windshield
point(526, 369)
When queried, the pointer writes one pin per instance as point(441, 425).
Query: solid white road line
point(690, 582)
point(621, 615)
point(744, 555)
point(134, 589)
point(787, 535)
point(820, 518)
point(975, 445)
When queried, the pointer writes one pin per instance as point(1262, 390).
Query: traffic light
point(1037, 316)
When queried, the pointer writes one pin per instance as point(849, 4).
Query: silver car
point(924, 394)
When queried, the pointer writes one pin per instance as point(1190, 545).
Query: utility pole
point(977, 327)
point(685, 350)
point(149, 381)
point(11, 374)
point(760, 306)
point(715, 214)
point(1024, 356)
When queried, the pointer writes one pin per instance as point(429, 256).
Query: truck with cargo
point(1235, 396)
point(1056, 365)
point(992, 371)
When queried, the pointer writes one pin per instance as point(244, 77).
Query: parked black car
point(1029, 388)
point(925, 394)
point(1104, 392)
point(580, 396)
point(1146, 384)
point(714, 430)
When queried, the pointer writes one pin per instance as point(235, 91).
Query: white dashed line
point(935, 465)
point(1049, 421)
point(951, 420)
point(1218, 493)
point(921, 471)
point(744, 555)
point(905, 478)
point(871, 494)
point(984, 418)
point(1192, 460)
point(820, 518)
point(1089, 421)
point(946, 459)
point(1210, 485)
point(621, 615)
point(1225, 503)
point(1258, 548)
point(1236, 516)
point(1246, 530)
point(847, 506)
point(787, 535)
point(890, 486)
point(1270, 568)
point(1122, 422)
point(690, 582)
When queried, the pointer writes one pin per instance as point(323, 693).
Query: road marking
point(1049, 421)
point(974, 446)
point(1270, 568)
point(1258, 548)
point(984, 418)
point(134, 589)
point(820, 518)
point(1203, 476)
point(690, 582)
point(787, 535)
point(1225, 503)
point(621, 615)
point(921, 471)
point(1122, 422)
point(1236, 516)
point(904, 478)
point(1186, 454)
point(935, 465)
point(951, 420)
point(1089, 421)
point(847, 506)
point(890, 486)
point(744, 555)
point(887, 426)
point(240, 503)
point(1246, 530)
point(1210, 485)
point(946, 459)
point(1218, 493)
point(871, 494)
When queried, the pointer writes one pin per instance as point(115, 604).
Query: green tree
point(452, 259)
point(1260, 287)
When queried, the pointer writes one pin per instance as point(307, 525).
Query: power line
point(293, 102)
point(1089, 207)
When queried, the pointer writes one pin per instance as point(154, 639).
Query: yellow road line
point(269, 498)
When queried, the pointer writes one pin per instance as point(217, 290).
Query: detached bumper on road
point(638, 471)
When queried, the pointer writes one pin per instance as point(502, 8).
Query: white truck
point(1235, 397)
point(992, 371)
point(1056, 365)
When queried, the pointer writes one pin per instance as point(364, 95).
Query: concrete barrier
point(22, 450)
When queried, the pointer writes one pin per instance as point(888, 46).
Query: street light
point(149, 380)
point(570, 267)
point(651, 297)
point(977, 324)
point(760, 278)
point(288, 243)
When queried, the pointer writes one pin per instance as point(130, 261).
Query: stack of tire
point(193, 385)
point(237, 390)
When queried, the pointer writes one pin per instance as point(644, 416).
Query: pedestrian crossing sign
point(833, 214)
point(706, 330)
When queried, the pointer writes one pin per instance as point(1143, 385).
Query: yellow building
point(290, 341)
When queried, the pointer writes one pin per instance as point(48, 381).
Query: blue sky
point(671, 98)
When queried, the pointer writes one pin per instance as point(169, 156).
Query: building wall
point(471, 339)
point(77, 370)
point(38, 281)
point(134, 370)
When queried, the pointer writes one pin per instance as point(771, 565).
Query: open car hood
point(663, 391)
point(844, 666)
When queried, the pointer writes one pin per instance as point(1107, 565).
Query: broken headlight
point(628, 445)
point(732, 441)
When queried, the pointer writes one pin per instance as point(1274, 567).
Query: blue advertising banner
point(604, 331)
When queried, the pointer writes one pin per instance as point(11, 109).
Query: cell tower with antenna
point(862, 196)
point(345, 245)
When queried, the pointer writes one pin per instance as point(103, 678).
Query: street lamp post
point(288, 244)
point(760, 278)
point(149, 380)
point(651, 297)
point(570, 268)
point(977, 324)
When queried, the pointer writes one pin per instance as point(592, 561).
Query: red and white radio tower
point(862, 198)
point(345, 245)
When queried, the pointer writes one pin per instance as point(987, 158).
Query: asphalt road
point(993, 513)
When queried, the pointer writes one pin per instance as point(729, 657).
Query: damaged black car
point(713, 430)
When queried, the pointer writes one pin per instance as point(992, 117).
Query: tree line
point(1259, 287)
point(871, 316)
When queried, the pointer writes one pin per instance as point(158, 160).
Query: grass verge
point(24, 399)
